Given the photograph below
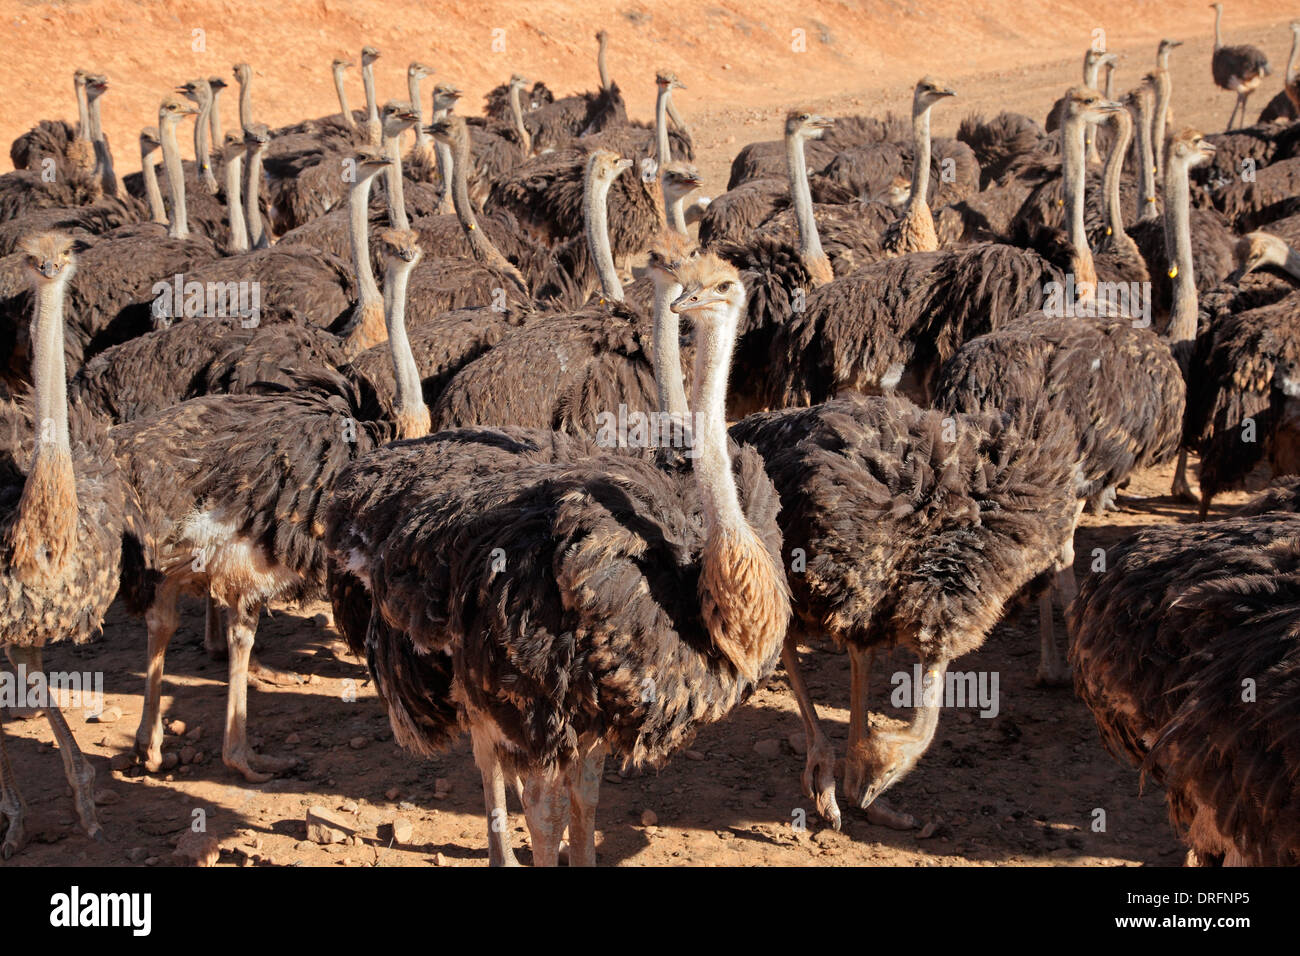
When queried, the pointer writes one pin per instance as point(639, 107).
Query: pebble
point(771, 747)
point(137, 854)
point(293, 739)
point(194, 733)
point(927, 831)
point(798, 742)
point(649, 818)
point(439, 860)
point(187, 754)
point(170, 760)
point(176, 728)
point(356, 743)
point(350, 806)
point(392, 793)
point(106, 798)
point(120, 762)
point(199, 849)
point(200, 756)
point(694, 755)
point(151, 861)
point(109, 715)
point(402, 831)
point(323, 620)
point(325, 826)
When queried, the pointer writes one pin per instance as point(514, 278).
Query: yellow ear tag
point(1060, 202)
point(1108, 230)
point(1173, 272)
point(472, 226)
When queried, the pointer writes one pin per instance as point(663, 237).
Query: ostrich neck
point(517, 114)
point(443, 153)
point(1110, 81)
point(1178, 234)
point(675, 116)
point(810, 244)
point(413, 85)
point(1146, 160)
point(410, 396)
point(257, 238)
point(712, 464)
point(662, 149)
point(180, 223)
point(84, 131)
point(393, 179)
point(105, 158)
point(595, 217)
point(479, 244)
point(235, 206)
point(921, 157)
point(348, 121)
point(201, 138)
point(245, 103)
point(1164, 93)
point(359, 238)
point(214, 118)
point(1293, 61)
point(49, 375)
point(1091, 67)
point(677, 214)
point(1114, 171)
point(605, 83)
point(1073, 181)
point(1218, 19)
point(157, 209)
point(368, 83)
point(1291, 263)
point(668, 351)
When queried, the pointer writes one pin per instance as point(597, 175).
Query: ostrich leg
point(494, 801)
point(214, 632)
point(584, 794)
point(819, 771)
point(860, 661)
point(241, 626)
point(161, 621)
point(546, 808)
point(80, 774)
point(1182, 490)
point(11, 802)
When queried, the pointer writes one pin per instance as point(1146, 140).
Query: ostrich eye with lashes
point(724, 286)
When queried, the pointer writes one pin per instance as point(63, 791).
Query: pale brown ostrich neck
point(367, 325)
point(393, 177)
point(157, 208)
point(1146, 156)
point(517, 114)
point(180, 223)
point(83, 110)
point(103, 155)
point(810, 245)
point(257, 237)
point(480, 245)
point(412, 414)
point(663, 151)
point(235, 205)
point(1178, 242)
point(595, 217)
point(1123, 125)
point(605, 82)
point(1074, 177)
point(413, 86)
point(342, 92)
point(668, 349)
point(921, 156)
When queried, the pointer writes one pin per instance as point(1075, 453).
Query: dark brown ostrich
point(551, 125)
point(1267, 195)
point(234, 486)
point(57, 139)
point(1239, 69)
point(672, 552)
point(1185, 651)
point(913, 527)
point(66, 510)
point(1117, 389)
point(999, 141)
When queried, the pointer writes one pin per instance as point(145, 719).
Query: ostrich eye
point(724, 286)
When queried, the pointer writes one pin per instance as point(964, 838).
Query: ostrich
point(216, 84)
point(1165, 640)
point(678, 181)
point(1164, 88)
point(373, 128)
point(238, 480)
point(150, 143)
point(917, 529)
point(422, 153)
point(56, 139)
point(63, 521)
point(1118, 256)
point(337, 68)
point(1140, 101)
point(551, 125)
point(1286, 105)
point(1239, 69)
point(1269, 194)
point(673, 550)
point(914, 231)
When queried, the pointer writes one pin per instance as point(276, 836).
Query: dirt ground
point(1020, 788)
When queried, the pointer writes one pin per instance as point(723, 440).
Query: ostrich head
point(1085, 102)
point(1166, 45)
point(232, 147)
point(48, 256)
point(149, 140)
point(667, 80)
point(605, 166)
point(445, 96)
point(882, 758)
point(368, 55)
point(899, 192)
point(196, 91)
point(1257, 249)
point(602, 36)
point(419, 70)
point(930, 91)
point(173, 109)
point(806, 124)
point(243, 73)
point(1099, 58)
point(400, 245)
point(96, 85)
point(518, 81)
point(371, 160)
point(217, 84)
point(1190, 147)
point(257, 135)
point(712, 293)
point(338, 64)
point(680, 180)
point(397, 117)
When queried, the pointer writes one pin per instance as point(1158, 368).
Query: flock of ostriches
point(870, 400)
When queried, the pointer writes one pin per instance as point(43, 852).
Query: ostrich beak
point(694, 298)
point(49, 268)
point(623, 164)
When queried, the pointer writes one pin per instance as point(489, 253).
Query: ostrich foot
point(882, 814)
point(1182, 491)
point(11, 806)
point(1060, 676)
point(819, 780)
point(256, 767)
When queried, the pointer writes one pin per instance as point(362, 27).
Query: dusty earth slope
point(1022, 787)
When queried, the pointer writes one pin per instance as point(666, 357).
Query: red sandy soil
point(1020, 788)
